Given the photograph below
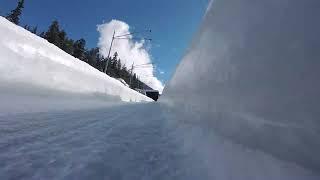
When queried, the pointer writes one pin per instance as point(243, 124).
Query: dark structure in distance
point(153, 94)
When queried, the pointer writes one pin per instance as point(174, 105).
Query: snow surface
point(30, 60)
point(144, 141)
point(252, 76)
point(249, 113)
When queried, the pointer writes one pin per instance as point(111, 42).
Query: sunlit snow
point(242, 104)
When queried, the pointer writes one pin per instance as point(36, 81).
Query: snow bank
point(252, 76)
point(28, 60)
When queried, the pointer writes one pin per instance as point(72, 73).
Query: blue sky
point(173, 22)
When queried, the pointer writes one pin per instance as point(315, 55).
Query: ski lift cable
point(147, 39)
point(136, 32)
point(151, 63)
point(143, 67)
point(148, 65)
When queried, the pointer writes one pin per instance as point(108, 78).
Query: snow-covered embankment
point(251, 76)
point(31, 65)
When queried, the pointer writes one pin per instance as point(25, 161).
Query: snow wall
point(252, 75)
point(31, 65)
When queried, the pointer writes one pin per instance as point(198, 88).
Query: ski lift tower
point(124, 36)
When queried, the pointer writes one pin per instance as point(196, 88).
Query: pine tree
point(79, 49)
point(68, 46)
point(27, 27)
point(31, 29)
point(92, 56)
point(52, 35)
point(14, 16)
point(114, 62)
point(61, 39)
point(115, 57)
point(34, 30)
point(42, 34)
point(102, 64)
point(118, 69)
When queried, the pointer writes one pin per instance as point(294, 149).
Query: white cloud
point(129, 51)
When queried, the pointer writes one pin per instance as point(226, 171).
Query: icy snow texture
point(28, 60)
point(249, 111)
point(252, 76)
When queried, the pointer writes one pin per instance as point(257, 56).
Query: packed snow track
point(126, 142)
